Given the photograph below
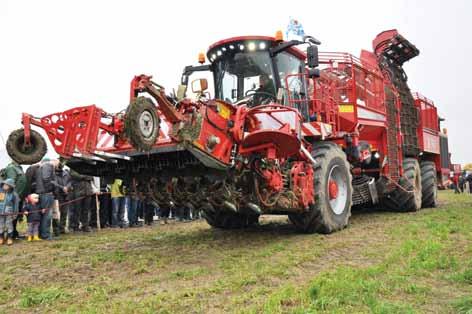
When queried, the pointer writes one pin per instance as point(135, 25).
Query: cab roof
point(245, 40)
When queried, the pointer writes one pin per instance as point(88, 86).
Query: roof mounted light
point(262, 45)
point(251, 46)
point(201, 58)
point(279, 36)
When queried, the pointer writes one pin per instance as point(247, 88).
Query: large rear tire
point(429, 184)
point(333, 192)
point(408, 197)
point(26, 155)
point(142, 124)
point(229, 220)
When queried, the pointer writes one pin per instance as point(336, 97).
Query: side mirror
point(199, 86)
point(312, 56)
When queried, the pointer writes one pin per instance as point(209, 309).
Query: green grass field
point(382, 263)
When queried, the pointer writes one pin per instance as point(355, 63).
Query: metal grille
point(392, 138)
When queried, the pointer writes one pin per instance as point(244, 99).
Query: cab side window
point(291, 72)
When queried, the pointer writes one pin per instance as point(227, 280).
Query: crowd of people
point(54, 200)
point(462, 182)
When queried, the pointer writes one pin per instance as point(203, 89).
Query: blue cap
point(9, 182)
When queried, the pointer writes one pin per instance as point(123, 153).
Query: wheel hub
point(337, 190)
point(333, 189)
point(146, 124)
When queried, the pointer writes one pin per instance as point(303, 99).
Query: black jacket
point(81, 185)
point(34, 214)
point(31, 179)
point(45, 176)
point(63, 179)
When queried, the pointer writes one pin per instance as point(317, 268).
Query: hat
point(31, 196)
point(9, 182)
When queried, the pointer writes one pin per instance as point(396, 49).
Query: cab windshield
point(240, 74)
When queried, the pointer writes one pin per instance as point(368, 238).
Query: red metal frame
point(73, 131)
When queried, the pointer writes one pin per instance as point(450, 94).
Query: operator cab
point(249, 70)
point(259, 70)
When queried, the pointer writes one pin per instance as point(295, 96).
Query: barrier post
point(98, 211)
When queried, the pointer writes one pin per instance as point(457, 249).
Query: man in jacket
point(82, 206)
point(118, 202)
point(105, 204)
point(61, 194)
point(30, 175)
point(44, 177)
point(469, 180)
point(133, 204)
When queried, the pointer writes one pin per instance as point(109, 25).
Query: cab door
point(292, 77)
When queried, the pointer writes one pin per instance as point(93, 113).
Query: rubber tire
point(132, 128)
point(229, 220)
point(33, 154)
point(321, 217)
point(429, 184)
point(400, 200)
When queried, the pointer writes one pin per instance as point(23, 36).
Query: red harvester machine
point(304, 134)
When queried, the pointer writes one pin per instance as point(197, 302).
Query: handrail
point(347, 58)
point(418, 96)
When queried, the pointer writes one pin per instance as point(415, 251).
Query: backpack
point(3, 174)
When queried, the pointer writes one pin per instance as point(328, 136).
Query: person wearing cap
point(9, 201)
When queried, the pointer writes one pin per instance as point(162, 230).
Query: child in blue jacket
point(9, 201)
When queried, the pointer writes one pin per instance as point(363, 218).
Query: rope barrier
point(60, 204)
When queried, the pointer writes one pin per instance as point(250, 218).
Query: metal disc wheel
point(146, 124)
point(337, 190)
point(142, 124)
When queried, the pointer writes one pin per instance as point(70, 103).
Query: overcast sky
point(59, 54)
